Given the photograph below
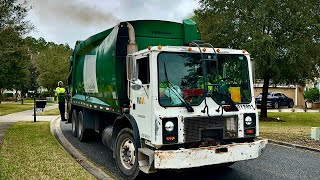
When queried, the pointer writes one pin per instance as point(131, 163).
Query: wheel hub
point(127, 154)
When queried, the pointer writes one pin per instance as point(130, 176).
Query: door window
point(143, 70)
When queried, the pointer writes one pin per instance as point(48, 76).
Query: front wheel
point(290, 104)
point(126, 154)
point(276, 105)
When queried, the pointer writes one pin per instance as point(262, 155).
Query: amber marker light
point(149, 47)
point(244, 51)
point(218, 50)
point(170, 138)
point(190, 49)
point(250, 131)
point(159, 47)
point(204, 49)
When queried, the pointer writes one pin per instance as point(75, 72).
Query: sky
point(66, 21)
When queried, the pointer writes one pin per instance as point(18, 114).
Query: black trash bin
point(41, 104)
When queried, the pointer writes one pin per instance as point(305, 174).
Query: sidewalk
point(27, 115)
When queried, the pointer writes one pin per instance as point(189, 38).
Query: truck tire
point(81, 130)
point(126, 154)
point(74, 122)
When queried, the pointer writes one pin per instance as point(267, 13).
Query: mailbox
point(41, 103)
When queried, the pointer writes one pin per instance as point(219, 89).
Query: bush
point(312, 95)
point(47, 94)
point(8, 95)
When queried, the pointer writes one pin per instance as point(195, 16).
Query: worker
point(166, 89)
point(61, 93)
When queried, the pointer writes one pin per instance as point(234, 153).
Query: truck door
point(141, 98)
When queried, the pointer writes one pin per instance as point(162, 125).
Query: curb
point(293, 145)
point(82, 160)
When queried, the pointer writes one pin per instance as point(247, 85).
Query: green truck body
point(109, 48)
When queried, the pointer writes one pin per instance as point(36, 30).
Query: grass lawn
point(30, 151)
point(12, 108)
point(296, 128)
point(51, 112)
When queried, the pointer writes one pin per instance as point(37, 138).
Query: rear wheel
point(276, 105)
point(126, 154)
point(74, 122)
point(80, 127)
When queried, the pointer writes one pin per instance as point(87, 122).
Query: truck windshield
point(229, 76)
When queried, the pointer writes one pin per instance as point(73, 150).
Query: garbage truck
point(163, 99)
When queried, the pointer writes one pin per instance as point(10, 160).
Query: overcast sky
point(65, 21)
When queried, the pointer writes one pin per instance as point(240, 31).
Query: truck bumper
point(196, 157)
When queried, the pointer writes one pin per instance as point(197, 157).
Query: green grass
point(12, 108)
point(296, 128)
point(29, 151)
point(51, 112)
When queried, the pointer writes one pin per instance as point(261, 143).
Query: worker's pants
point(62, 107)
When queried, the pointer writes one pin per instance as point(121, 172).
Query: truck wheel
point(126, 154)
point(80, 127)
point(74, 122)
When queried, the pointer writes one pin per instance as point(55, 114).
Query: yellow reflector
point(235, 94)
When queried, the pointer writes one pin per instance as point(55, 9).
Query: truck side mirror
point(131, 68)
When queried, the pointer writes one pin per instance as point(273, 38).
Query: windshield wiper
point(229, 99)
point(184, 102)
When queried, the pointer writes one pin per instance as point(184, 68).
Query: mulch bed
point(308, 143)
point(270, 119)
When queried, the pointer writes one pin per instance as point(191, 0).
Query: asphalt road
point(277, 162)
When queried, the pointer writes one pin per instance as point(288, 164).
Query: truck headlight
point(248, 120)
point(169, 126)
point(170, 130)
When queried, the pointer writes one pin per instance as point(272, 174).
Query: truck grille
point(194, 125)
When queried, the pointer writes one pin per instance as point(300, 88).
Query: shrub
point(312, 95)
point(47, 94)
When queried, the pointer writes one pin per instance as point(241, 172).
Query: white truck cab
point(194, 106)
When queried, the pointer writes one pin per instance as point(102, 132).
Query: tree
point(53, 64)
point(14, 60)
point(283, 37)
point(13, 52)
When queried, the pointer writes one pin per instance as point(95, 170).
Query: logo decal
point(140, 100)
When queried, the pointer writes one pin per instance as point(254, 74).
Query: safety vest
point(61, 93)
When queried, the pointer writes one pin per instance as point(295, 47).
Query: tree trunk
point(264, 112)
point(1, 93)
